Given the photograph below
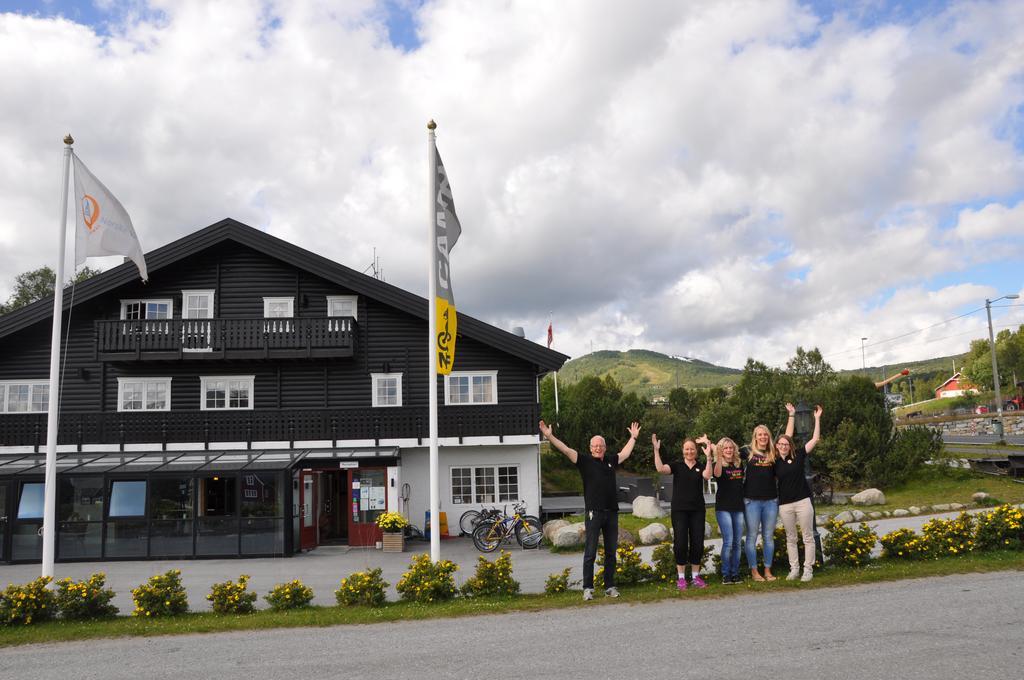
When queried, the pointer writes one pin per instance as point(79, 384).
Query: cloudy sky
point(708, 179)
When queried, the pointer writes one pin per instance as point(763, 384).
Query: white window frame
point(185, 314)
point(374, 378)
point(267, 302)
point(493, 375)
point(354, 299)
point(250, 381)
point(145, 301)
point(146, 383)
point(33, 385)
point(474, 495)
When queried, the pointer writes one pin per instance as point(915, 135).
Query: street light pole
point(863, 361)
point(1000, 425)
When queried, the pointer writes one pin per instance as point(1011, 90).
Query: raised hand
point(655, 442)
point(634, 430)
point(545, 430)
point(790, 409)
point(818, 411)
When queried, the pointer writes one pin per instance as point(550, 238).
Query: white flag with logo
point(102, 224)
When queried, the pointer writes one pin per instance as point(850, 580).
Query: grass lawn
point(57, 631)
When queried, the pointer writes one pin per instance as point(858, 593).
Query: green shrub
point(427, 581)
point(362, 589)
point(903, 544)
point(780, 562)
point(630, 569)
point(290, 595)
point(847, 546)
point(31, 602)
point(910, 448)
point(1000, 529)
point(81, 600)
point(559, 582)
point(947, 537)
point(162, 595)
point(492, 578)
point(232, 597)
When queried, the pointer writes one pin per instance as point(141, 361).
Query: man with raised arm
point(600, 498)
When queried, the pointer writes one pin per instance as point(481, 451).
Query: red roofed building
point(955, 386)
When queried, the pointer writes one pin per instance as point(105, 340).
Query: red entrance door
point(367, 500)
point(309, 530)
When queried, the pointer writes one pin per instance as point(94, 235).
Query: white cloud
point(720, 179)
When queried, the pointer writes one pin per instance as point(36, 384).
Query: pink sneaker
point(698, 582)
point(681, 583)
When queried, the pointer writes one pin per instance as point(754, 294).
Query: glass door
point(309, 532)
point(27, 528)
point(367, 501)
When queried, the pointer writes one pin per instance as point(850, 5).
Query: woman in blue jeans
point(728, 472)
point(760, 501)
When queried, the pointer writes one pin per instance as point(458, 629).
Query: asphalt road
point(965, 626)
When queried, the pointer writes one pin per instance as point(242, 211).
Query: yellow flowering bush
point(848, 546)
point(232, 597)
point(559, 582)
point(290, 595)
point(903, 544)
point(363, 588)
point(630, 569)
point(492, 578)
point(162, 595)
point(949, 537)
point(28, 603)
point(1000, 529)
point(87, 599)
point(427, 581)
point(392, 521)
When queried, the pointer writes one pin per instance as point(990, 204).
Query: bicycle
point(471, 518)
point(527, 530)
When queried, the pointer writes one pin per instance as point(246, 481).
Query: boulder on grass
point(942, 507)
point(846, 516)
point(551, 527)
point(653, 533)
point(647, 507)
point(980, 497)
point(914, 510)
point(900, 512)
point(868, 497)
point(566, 537)
point(858, 516)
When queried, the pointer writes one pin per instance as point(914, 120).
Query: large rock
point(647, 507)
point(581, 531)
point(914, 510)
point(956, 506)
point(846, 516)
point(980, 497)
point(566, 537)
point(875, 515)
point(942, 507)
point(868, 497)
point(625, 536)
point(551, 527)
point(900, 512)
point(858, 516)
point(821, 520)
point(653, 533)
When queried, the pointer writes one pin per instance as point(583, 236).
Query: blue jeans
point(760, 514)
point(731, 526)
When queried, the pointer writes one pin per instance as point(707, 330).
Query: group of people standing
point(756, 484)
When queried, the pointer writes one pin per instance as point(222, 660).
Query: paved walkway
point(324, 567)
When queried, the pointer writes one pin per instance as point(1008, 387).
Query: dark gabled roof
point(232, 230)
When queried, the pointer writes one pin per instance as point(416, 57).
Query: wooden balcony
point(287, 425)
point(200, 339)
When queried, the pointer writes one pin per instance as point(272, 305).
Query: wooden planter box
point(394, 541)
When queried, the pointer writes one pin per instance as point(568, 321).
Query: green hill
point(939, 366)
point(649, 373)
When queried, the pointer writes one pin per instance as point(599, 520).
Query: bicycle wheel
point(529, 532)
point(468, 522)
point(487, 536)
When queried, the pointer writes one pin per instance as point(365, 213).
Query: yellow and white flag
point(446, 232)
point(102, 224)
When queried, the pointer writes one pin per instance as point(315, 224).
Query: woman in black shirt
point(728, 471)
point(760, 500)
point(688, 478)
point(795, 494)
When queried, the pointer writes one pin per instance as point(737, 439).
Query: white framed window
point(471, 387)
point(226, 392)
point(147, 309)
point(197, 304)
point(20, 396)
point(483, 484)
point(343, 305)
point(278, 307)
point(143, 394)
point(386, 389)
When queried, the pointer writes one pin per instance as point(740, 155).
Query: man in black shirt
point(600, 500)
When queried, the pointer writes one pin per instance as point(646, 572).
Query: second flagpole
point(435, 491)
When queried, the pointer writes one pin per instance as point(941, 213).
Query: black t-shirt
point(759, 484)
point(793, 485)
point(599, 488)
point(687, 486)
point(729, 497)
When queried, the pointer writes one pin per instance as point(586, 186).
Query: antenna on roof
point(377, 271)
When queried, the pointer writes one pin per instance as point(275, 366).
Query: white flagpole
point(435, 490)
point(50, 493)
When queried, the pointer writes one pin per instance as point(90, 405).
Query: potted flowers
point(393, 526)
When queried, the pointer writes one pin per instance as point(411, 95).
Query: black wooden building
point(253, 398)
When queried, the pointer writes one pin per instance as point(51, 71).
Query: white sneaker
point(588, 594)
point(611, 592)
point(794, 574)
point(808, 575)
